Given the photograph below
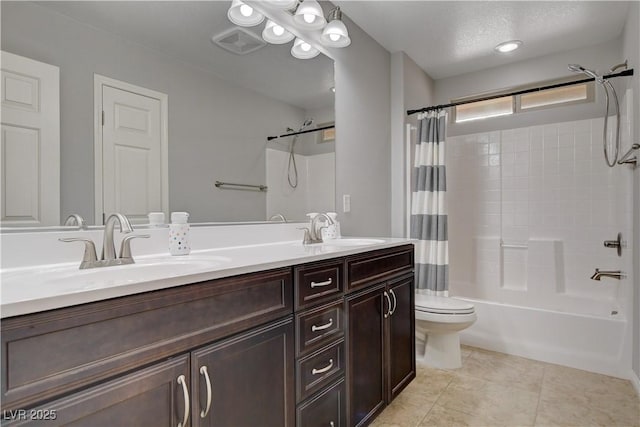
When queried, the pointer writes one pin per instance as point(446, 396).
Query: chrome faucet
point(278, 216)
point(613, 274)
point(90, 259)
point(108, 246)
point(75, 219)
point(313, 234)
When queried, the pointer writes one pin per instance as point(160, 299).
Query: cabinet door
point(150, 396)
point(250, 379)
point(400, 336)
point(365, 368)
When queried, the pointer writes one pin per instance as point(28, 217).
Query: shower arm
point(627, 158)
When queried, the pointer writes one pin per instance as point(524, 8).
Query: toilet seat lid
point(444, 305)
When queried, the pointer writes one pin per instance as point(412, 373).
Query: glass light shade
point(244, 15)
point(275, 33)
point(309, 15)
point(335, 34)
point(303, 50)
point(283, 4)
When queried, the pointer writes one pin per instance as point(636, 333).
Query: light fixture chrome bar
point(235, 186)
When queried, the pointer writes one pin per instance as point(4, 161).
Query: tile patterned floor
point(495, 389)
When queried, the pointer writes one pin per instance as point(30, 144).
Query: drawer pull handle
point(386, 295)
point(321, 284)
point(322, 327)
point(331, 424)
point(203, 371)
point(183, 382)
point(395, 302)
point(315, 371)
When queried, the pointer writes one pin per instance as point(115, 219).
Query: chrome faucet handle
point(89, 258)
point(306, 240)
point(125, 245)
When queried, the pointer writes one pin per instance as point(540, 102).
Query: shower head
point(307, 123)
point(577, 68)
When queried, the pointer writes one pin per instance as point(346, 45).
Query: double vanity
point(268, 334)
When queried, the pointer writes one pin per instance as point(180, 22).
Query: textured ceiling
point(447, 38)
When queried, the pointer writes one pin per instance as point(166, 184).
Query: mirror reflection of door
point(132, 134)
point(29, 158)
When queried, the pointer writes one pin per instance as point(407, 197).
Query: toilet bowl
point(440, 319)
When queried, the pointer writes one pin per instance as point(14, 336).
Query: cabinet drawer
point(318, 282)
point(49, 353)
point(327, 409)
point(319, 326)
point(378, 265)
point(319, 369)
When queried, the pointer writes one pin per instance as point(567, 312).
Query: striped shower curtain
point(428, 205)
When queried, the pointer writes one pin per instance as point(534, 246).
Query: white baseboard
point(633, 377)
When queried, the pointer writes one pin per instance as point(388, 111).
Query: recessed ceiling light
point(509, 46)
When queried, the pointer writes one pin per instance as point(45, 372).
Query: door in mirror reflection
point(30, 168)
point(132, 151)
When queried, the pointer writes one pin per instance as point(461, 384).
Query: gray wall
point(411, 88)
point(599, 57)
point(631, 51)
point(362, 75)
point(216, 131)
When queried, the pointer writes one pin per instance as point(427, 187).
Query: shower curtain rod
point(518, 92)
point(269, 138)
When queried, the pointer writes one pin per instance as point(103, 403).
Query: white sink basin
point(69, 278)
point(352, 242)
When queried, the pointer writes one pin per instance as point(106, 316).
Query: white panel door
point(132, 154)
point(30, 152)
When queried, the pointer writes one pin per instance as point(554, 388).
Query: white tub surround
point(40, 273)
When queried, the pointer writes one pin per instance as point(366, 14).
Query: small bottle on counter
point(179, 234)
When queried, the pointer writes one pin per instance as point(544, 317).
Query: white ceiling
point(448, 38)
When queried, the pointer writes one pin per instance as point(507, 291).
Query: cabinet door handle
point(203, 371)
point(331, 424)
point(395, 302)
point(183, 382)
point(386, 295)
point(321, 284)
point(322, 327)
point(315, 371)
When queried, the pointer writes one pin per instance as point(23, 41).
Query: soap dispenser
point(179, 234)
point(333, 230)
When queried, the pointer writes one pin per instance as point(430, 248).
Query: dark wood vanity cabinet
point(380, 343)
point(304, 346)
point(246, 380)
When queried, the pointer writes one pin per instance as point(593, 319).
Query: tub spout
point(613, 274)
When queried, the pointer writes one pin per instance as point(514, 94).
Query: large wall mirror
point(220, 108)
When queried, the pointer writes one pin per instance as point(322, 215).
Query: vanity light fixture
point(275, 33)
point(244, 15)
point(309, 15)
point(303, 50)
point(335, 34)
point(509, 46)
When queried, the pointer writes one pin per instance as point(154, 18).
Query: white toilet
point(438, 320)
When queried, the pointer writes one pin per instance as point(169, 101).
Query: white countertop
point(44, 287)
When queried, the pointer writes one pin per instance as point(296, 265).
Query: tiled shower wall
point(529, 209)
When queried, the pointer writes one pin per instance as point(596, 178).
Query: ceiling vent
point(239, 41)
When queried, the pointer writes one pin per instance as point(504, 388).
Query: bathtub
point(594, 343)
